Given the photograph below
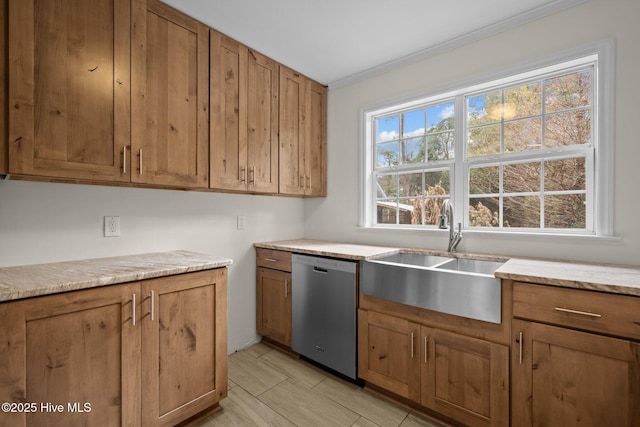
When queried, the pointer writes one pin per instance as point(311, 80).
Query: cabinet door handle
point(140, 160)
point(286, 288)
point(252, 175)
point(426, 348)
point(582, 313)
point(133, 310)
point(519, 341)
point(412, 337)
point(124, 160)
point(243, 174)
point(309, 182)
point(271, 259)
point(302, 181)
point(152, 296)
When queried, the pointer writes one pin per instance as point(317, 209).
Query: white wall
point(45, 222)
point(336, 218)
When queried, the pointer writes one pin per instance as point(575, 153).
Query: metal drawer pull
point(140, 157)
point(152, 295)
point(320, 270)
point(286, 288)
point(133, 310)
point(243, 174)
point(583, 313)
point(271, 259)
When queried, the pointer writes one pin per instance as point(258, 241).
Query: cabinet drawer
point(269, 258)
point(610, 314)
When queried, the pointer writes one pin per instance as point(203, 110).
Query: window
point(514, 154)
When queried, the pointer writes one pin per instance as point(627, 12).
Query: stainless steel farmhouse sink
point(458, 286)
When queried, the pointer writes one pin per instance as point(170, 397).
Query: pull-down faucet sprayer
point(454, 237)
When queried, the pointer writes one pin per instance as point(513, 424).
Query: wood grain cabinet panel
point(4, 147)
point(184, 346)
point(170, 97)
point(302, 135)
point(465, 378)
point(79, 347)
point(69, 88)
point(572, 378)
point(244, 118)
point(274, 305)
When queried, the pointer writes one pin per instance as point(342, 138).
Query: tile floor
point(270, 388)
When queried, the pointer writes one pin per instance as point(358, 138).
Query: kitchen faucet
point(454, 237)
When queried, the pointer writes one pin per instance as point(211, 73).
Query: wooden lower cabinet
point(103, 356)
point(274, 305)
point(465, 379)
point(563, 377)
point(184, 346)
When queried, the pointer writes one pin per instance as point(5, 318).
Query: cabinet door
point(274, 305)
point(170, 97)
point(262, 123)
point(465, 378)
point(389, 354)
point(184, 345)
point(3, 87)
point(69, 92)
point(73, 349)
point(229, 170)
point(316, 142)
point(570, 378)
point(293, 101)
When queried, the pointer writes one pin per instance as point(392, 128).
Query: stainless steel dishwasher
point(324, 312)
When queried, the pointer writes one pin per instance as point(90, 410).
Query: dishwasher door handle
point(320, 270)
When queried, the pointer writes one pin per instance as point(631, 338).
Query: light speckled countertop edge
point(571, 274)
point(28, 281)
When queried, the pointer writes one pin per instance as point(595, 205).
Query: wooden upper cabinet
point(3, 87)
point(303, 112)
point(244, 118)
point(170, 89)
point(69, 92)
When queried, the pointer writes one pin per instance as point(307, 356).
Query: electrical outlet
point(241, 222)
point(111, 226)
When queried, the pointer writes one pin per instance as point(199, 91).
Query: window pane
point(413, 150)
point(388, 154)
point(568, 91)
point(571, 128)
point(387, 128)
point(565, 174)
point(523, 101)
point(484, 141)
point(521, 178)
point(440, 117)
point(413, 123)
point(565, 211)
point(484, 212)
point(386, 211)
point(484, 108)
point(410, 211)
point(387, 186)
point(521, 211)
point(437, 183)
point(484, 180)
point(523, 135)
point(440, 146)
point(410, 184)
point(433, 208)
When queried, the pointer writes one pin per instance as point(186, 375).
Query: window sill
point(493, 233)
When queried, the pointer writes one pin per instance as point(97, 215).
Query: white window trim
point(603, 128)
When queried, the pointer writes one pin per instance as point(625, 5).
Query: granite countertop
point(604, 278)
point(616, 279)
point(329, 249)
point(43, 279)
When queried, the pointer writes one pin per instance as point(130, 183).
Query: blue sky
point(388, 128)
